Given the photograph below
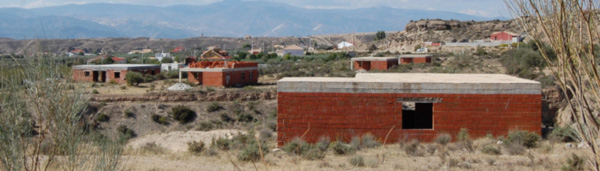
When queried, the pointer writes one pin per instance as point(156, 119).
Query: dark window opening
point(417, 115)
point(250, 75)
point(242, 75)
point(86, 73)
point(117, 74)
point(152, 72)
point(359, 64)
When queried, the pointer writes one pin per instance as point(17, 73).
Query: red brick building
point(222, 73)
point(112, 72)
point(373, 63)
point(406, 106)
point(417, 59)
point(504, 36)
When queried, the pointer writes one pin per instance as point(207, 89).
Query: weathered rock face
point(457, 30)
point(190, 96)
point(552, 103)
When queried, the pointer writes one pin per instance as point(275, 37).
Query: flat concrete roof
point(117, 66)
point(374, 58)
point(423, 83)
point(416, 56)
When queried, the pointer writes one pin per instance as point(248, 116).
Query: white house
point(293, 50)
point(171, 66)
point(160, 56)
point(422, 50)
point(344, 44)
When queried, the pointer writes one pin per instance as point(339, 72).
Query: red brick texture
point(375, 65)
point(341, 116)
point(219, 79)
point(415, 60)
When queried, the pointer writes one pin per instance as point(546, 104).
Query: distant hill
point(230, 18)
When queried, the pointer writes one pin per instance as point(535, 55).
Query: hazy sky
point(487, 8)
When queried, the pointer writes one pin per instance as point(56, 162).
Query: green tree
point(246, 46)
point(166, 60)
point(380, 35)
point(134, 78)
point(108, 60)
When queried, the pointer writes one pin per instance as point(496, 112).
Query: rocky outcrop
point(242, 95)
point(454, 30)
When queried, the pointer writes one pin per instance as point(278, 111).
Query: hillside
point(231, 18)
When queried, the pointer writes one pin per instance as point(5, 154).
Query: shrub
point(123, 87)
point(514, 148)
point(340, 148)
point(112, 82)
point(221, 143)
point(355, 143)
point(226, 118)
point(245, 117)
point(94, 91)
point(443, 139)
point(297, 147)
point(205, 126)
point(524, 138)
point(134, 78)
point(357, 161)
point(195, 147)
point(159, 119)
point(323, 143)
point(102, 118)
point(574, 163)
point(252, 152)
point(266, 133)
point(491, 150)
point(126, 132)
point(563, 134)
point(413, 148)
point(128, 113)
point(368, 141)
point(464, 140)
point(183, 114)
point(214, 106)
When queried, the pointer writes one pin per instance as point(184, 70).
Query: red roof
point(178, 49)
point(117, 59)
point(77, 51)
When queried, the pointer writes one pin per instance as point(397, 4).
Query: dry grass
point(385, 157)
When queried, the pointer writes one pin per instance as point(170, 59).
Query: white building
point(171, 66)
point(160, 56)
point(344, 44)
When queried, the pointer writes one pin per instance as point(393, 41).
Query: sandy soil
point(177, 141)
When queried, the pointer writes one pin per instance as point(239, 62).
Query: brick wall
point(366, 65)
point(416, 60)
point(219, 79)
point(344, 115)
point(79, 75)
point(374, 65)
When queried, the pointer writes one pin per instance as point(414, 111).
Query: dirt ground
point(389, 157)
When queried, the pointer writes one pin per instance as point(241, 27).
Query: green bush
point(183, 114)
point(226, 118)
point(214, 106)
point(102, 118)
point(205, 126)
point(195, 147)
point(94, 91)
point(464, 140)
point(245, 117)
point(340, 148)
point(524, 138)
point(297, 146)
point(323, 143)
point(128, 113)
point(491, 150)
point(134, 78)
point(357, 161)
point(563, 134)
point(368, 141)
point(159, 119)
point(252, 152)
point(221, 143)
point(126, 132)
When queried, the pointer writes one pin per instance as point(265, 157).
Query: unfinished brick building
point(373, 63)
point(411, 106)
point(416, 59)
point(111, 72)
point(222, 73)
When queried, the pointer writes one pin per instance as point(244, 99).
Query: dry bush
point(514, 148)
point(443, 139)
point(524, 138)
point(340, 148)
point(357, 161)
point(464, 140)
point(491, 150)
point(574, 163)
point(413, 148)
point(368, 141)
point(195, 147)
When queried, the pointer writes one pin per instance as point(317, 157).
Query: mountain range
point(229, 18)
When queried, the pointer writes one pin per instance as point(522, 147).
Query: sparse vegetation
point(159, 119)
point(413, 148)
point(357, 161)
point(574, 163)
point(213, 107)
point(524, 138)
point(133, 78)
point(126, 132)
point(340, 148)
point(491, 150)
point(464, 140)
point(102, 118)
point(196, 147)
point(443, 139)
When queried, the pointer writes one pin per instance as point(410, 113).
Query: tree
point(108, 60)
point(166, 60)
point(134, 78)
point(380, 35)
point(246, 46)
point(570, 28)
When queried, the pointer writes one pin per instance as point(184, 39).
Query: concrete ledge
point(217, 69)
point(374, 59)
point(117, 66)
point(413, 84)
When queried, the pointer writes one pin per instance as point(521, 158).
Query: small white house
point(344, 44)
point(171, 66)
point(422, 50)
point(160, 56)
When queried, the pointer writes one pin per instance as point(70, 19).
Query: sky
point(485, 8)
